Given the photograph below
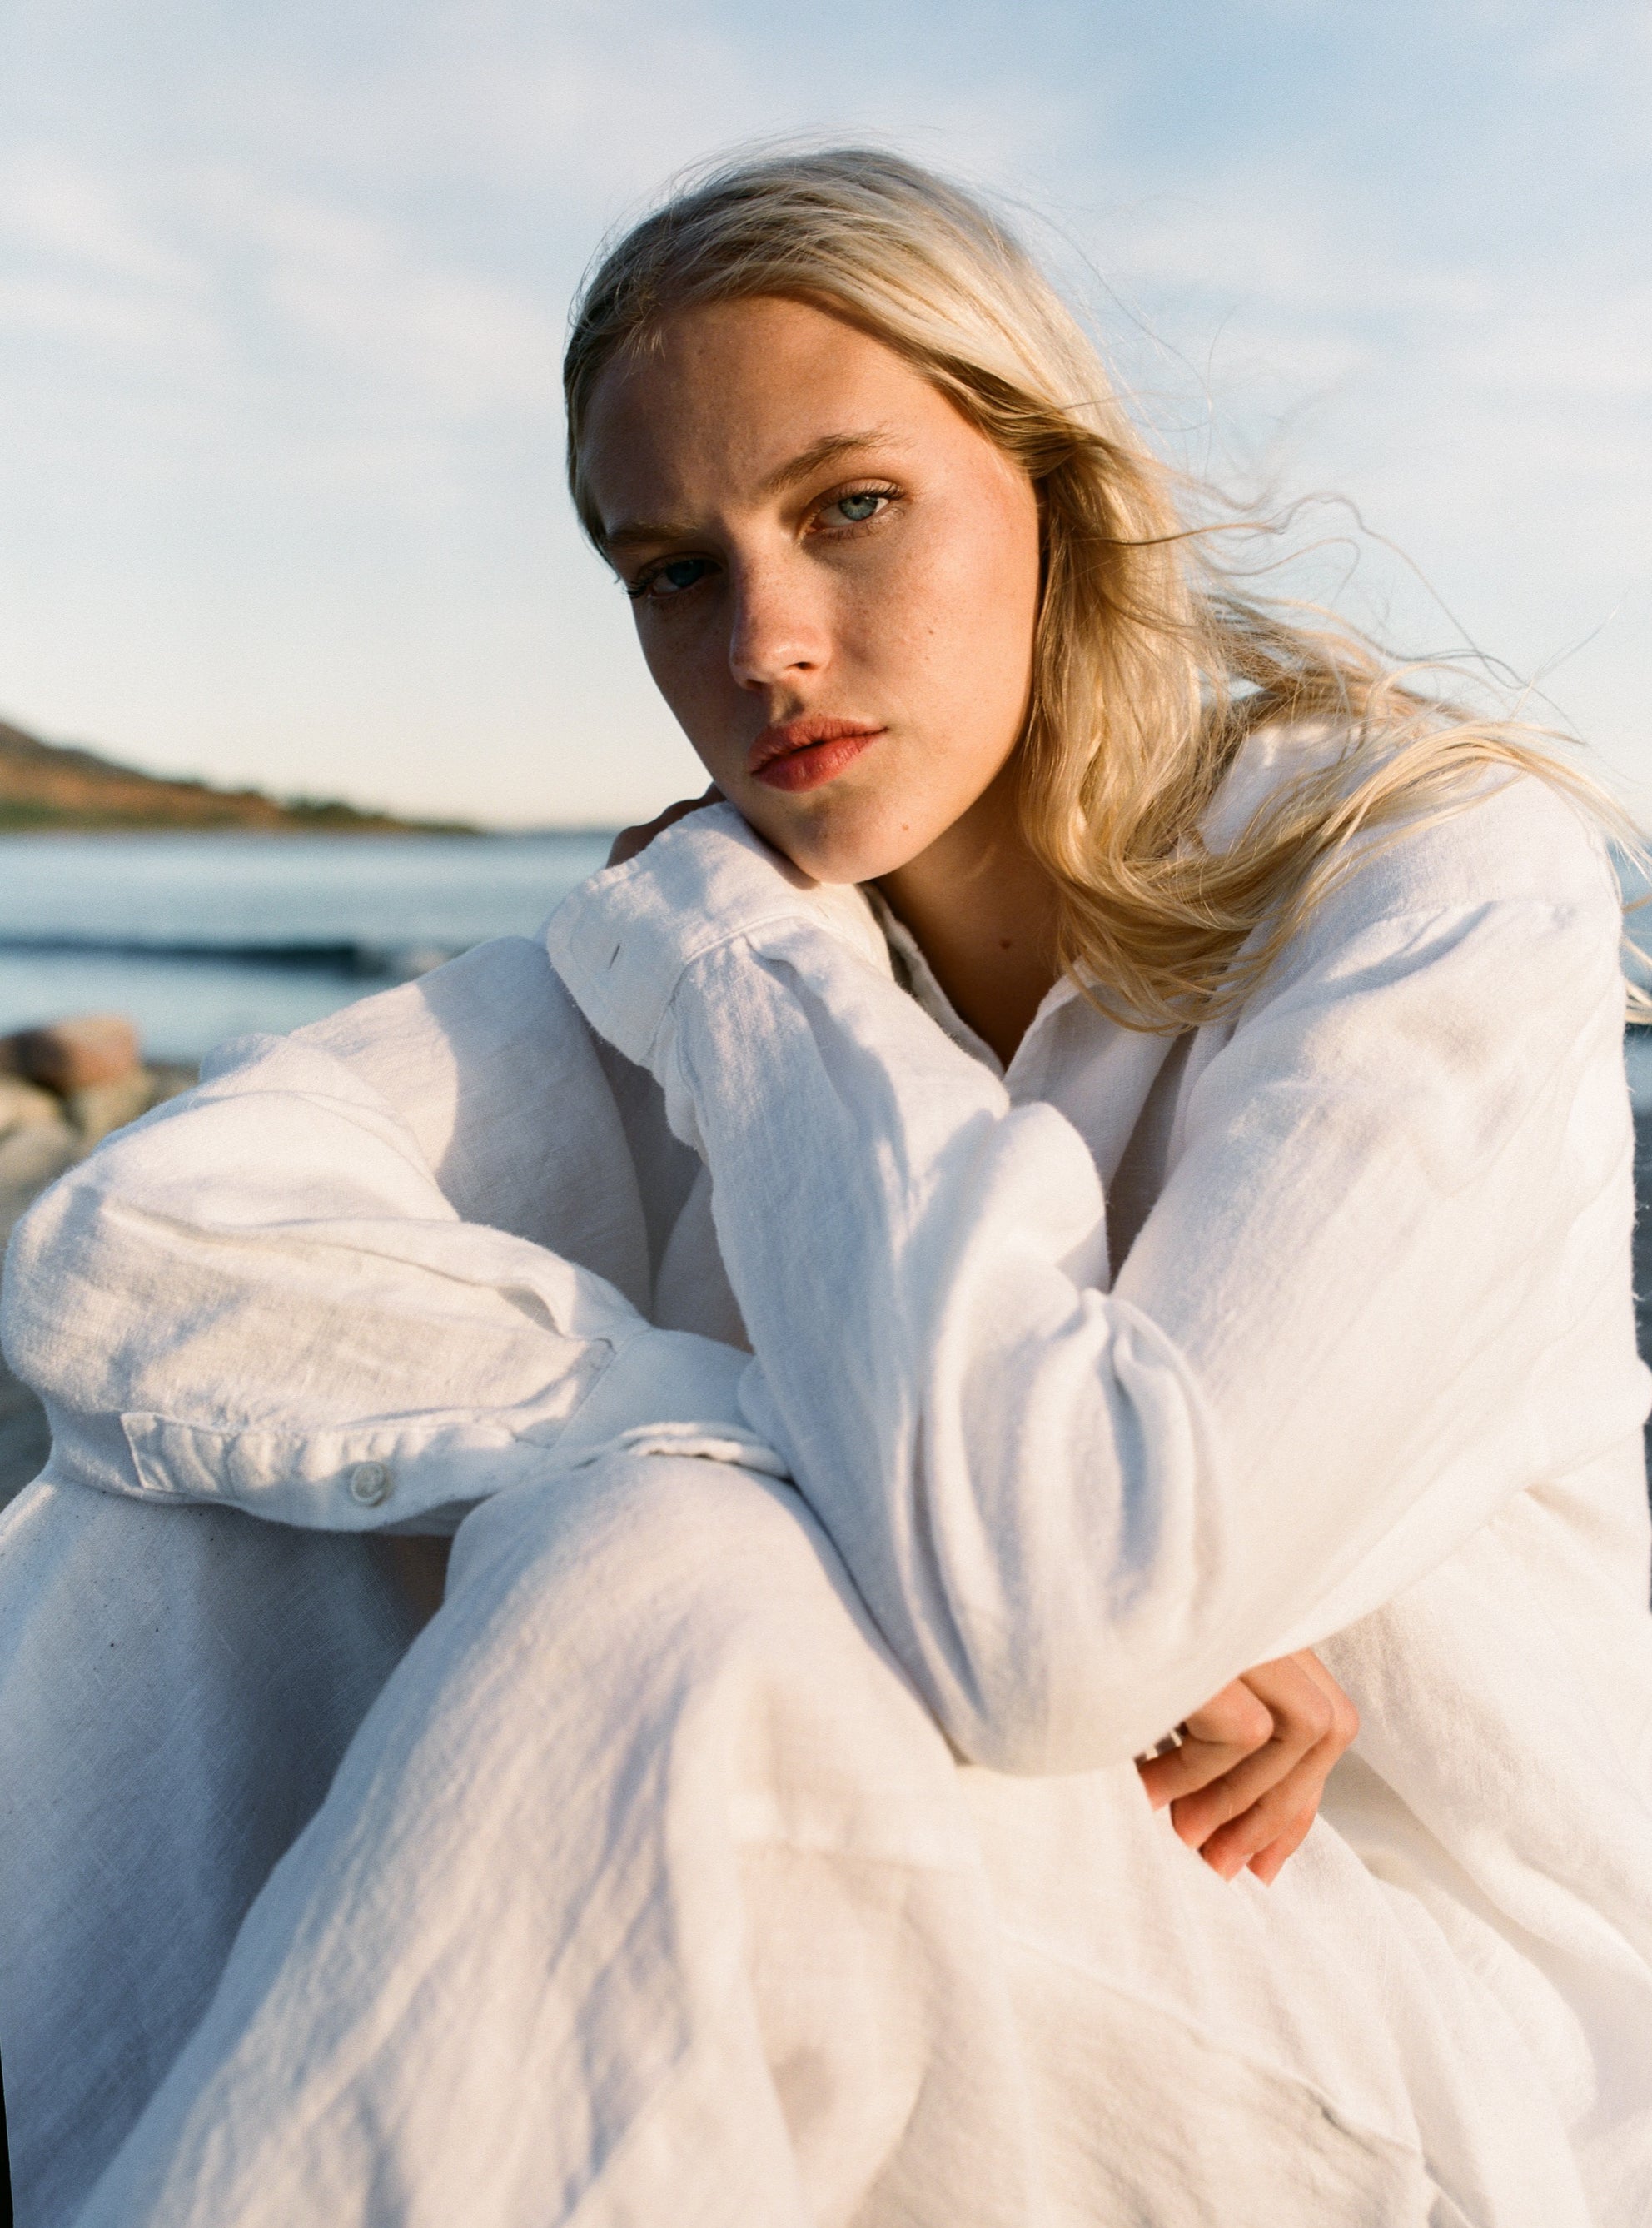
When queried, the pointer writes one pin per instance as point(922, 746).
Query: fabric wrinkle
point(856, 1453)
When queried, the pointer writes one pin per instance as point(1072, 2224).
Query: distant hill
point(50, 785)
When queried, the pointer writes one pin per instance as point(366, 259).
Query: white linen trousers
point(857, 1454)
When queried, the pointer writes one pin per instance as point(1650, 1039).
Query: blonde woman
point(1095, 1162)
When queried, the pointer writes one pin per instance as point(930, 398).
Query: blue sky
point(282, 291)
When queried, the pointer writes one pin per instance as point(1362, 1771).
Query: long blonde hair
point(1151, 665)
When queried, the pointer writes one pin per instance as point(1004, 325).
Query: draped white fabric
point(752, 1834)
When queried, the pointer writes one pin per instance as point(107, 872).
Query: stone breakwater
point(62, 1089)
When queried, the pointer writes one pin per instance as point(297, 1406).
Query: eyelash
point(637, 590)
point(890, 495)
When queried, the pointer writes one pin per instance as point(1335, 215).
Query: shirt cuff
point(621, 941)
point(664, 1392)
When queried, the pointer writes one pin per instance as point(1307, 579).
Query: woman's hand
point(1243, 1784)
point(630, 840)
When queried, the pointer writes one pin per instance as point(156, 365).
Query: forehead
point(720, 396)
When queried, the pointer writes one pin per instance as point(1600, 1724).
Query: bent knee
point(676, 1590)
point(653, 1542)
point(694, 1617)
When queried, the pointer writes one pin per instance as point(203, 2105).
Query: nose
point(776, 631)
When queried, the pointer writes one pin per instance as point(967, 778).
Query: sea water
point(199, 937)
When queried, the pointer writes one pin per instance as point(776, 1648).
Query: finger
point(1345, 1717)
point(1226, 1824)
point(1239, 1794)
point(1230, 1847)
point(1188, 1767)
point(1228, 1728)
point(632, 840)
point(1268, 1863)
point(1195, 1816)
point(1255, 1808)
point(1307, 1708)
point(1240, 1717)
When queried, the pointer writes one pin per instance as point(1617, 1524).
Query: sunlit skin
point(808, 528)
point(836, 580)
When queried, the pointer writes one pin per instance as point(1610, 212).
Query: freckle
point(1004, 944)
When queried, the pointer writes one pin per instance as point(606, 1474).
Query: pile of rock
point(62, 1088)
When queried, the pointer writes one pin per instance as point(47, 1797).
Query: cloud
point(367, 295)
point(282, 293)
point(54, 208)
point(86, 315)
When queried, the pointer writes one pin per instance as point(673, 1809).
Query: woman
point(1097, 1159)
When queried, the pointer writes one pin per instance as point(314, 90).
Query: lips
point(803, 753)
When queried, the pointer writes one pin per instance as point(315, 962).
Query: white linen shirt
point(1107, 1375)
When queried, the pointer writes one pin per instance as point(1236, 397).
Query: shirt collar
point(916, 976)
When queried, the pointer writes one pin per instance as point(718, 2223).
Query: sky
point(283, 292)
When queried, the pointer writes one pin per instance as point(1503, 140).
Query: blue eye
point(670, 580)
point(859, 508)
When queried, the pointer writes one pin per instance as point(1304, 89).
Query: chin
point(835, 844)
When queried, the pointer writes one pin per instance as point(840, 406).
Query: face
point(835, 578)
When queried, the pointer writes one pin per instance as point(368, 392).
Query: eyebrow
point(826, 450)
point(639, 533)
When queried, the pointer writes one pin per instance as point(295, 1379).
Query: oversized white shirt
point(1106, 1376)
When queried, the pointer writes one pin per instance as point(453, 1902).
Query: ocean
point(199, 937)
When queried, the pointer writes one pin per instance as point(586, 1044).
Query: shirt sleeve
point(365, 1274)
point(1384, 1285)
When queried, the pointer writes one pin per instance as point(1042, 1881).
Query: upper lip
point(789, 735)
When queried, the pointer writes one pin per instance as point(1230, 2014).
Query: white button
point(370, 1483)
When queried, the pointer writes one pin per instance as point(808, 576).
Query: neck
point(983, 913)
